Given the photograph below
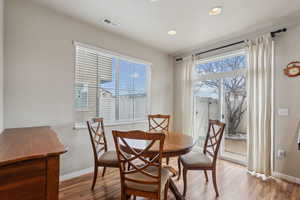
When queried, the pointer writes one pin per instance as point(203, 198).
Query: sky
point(224, 64)
point(133, 78)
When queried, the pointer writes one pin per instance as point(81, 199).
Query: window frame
point(105, 52)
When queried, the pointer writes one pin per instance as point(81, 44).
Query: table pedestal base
point(174, 189)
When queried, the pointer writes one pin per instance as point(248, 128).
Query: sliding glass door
point(220, 93)
point(234, 114)
point(207, 105)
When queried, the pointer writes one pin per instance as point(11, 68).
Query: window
point(81, 100)
point(109, 86)
point(225, 64)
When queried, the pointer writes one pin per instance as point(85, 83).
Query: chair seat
point(196, 160)
point(165, 175)
point(109, 158)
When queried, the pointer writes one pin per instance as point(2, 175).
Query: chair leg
point(215, 181)
point(168, 159)
point(95, 176)
point(103, 172)
point(206, 177)
point(123, 195)
point(166, 190)
point(179, 168)
point(184, 181)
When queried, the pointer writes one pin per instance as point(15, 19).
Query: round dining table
point(175, 144)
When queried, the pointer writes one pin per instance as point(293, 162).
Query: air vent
point(110, 22)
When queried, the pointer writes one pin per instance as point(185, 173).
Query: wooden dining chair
point(102, 157)
point(159, 123)
point(206, 160)
point(145, 177)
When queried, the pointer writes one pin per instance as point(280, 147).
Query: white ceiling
point(148, 22)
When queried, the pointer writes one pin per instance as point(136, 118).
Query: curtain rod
point(273, 34)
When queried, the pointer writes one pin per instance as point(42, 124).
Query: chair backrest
point(97, 136)
point(138, 159)
point(159, 122)
point(213, 139)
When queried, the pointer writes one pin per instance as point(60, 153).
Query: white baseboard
point(289, 178)
point(76, 174)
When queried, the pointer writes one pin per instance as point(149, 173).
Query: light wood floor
point(233, 181)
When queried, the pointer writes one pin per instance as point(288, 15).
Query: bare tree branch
point(234, 89)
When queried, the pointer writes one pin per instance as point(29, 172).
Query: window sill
point(112, 124)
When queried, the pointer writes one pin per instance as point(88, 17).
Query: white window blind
point(110, 87)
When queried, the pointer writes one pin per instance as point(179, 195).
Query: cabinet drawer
point(24, 180)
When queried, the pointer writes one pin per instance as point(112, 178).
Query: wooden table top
point(21, 144)
point(175, 144)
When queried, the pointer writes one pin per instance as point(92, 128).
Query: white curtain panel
point(260, 104)
point(186, 99)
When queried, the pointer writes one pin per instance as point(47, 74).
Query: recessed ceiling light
point(172, 32)
point(215, 11)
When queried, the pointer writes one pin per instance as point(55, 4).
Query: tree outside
point(234, 91)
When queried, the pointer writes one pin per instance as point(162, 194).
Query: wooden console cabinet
point(29, 164)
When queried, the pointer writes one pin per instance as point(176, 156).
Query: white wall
point(39, 74)
point(287, 95)
point(1, 66)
